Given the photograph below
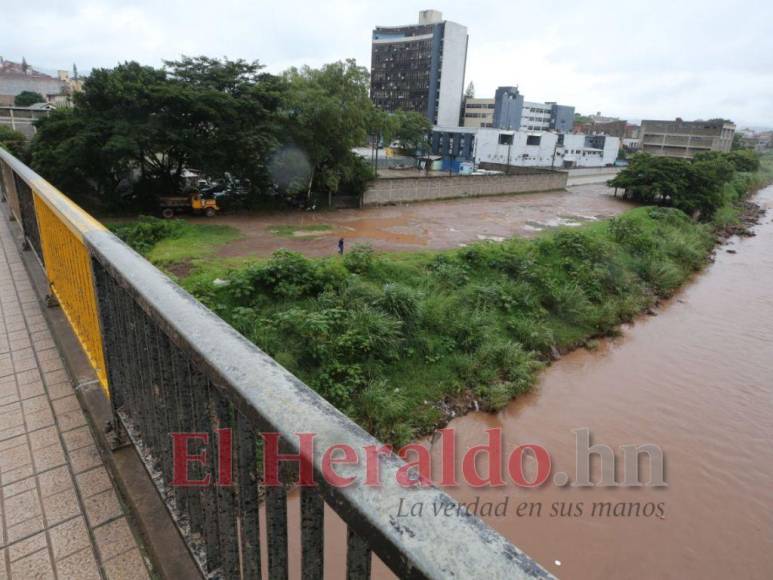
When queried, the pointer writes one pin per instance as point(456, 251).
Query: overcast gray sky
point(651, 59)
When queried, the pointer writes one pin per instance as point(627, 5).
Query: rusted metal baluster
point(276, 529)
point(187, 424)
point(247, 490)
point(112, 340)
point(160, 387)
point(312, 533)
point(358, 557)
point(201, 413)
point(222, 419)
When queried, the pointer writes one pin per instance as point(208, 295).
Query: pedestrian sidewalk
point(61, 514)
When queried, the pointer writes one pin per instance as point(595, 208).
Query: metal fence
point(170, 365)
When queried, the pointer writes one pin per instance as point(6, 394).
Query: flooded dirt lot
point(422, 226)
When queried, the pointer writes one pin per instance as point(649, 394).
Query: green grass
point(399, 341)
point(289, 231)
point(197, 242)
point(167, 243)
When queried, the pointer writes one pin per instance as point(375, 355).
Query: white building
point(578, 150)
point(516, 148)
point(536, 116)
point(544, 149)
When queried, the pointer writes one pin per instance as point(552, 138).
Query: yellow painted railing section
point(61, 227)
point(68, 267)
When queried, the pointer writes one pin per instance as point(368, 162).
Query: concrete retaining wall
point(412, 189)
point(583, 171)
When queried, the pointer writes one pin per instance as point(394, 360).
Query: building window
point(533, 140)
point(505, 139)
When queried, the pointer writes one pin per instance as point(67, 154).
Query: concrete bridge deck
point(62, 517)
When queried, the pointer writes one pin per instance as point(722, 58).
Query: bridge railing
point(169, 365)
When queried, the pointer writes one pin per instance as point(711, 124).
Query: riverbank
point(404, 342)
point(695, 382)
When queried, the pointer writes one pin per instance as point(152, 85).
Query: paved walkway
point(61, 516)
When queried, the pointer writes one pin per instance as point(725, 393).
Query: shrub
point(147, 231)
point(354, 291)
point(579, 245)
point(503, 370)
point(532, 333)
point(383, 408)
point(359, 259)
point(568, 301)
point(400, 301)
point(629, 233)
point(448, 273)
point(288, 274)
point(664, 275)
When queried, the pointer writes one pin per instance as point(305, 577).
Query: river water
point(697, 381)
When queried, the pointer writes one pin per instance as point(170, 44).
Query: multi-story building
point(685, 138)
point(16, 78)
point(508, 110)
point(478, 112)
point(420, 67)
point(535, 117)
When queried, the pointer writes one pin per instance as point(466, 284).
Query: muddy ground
point(422, 226)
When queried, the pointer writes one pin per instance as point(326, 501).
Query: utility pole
point(509, 147)
point(375, 161)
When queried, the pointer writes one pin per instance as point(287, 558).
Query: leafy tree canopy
point(28, 98)
point(412, 130)
point(694, 186)
point(137, 129)
point(326, 112)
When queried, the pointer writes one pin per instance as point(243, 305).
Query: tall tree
point(146, 126)
point(413, 130)
point(470, 92)
point(235, 114)
point(327, 112)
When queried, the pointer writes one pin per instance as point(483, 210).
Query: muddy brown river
point(697, 381)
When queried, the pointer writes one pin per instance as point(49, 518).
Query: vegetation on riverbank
point(403, 342)
point(700, 186)
point(170, 242)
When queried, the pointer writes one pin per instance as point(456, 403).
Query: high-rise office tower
point(420, 67)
